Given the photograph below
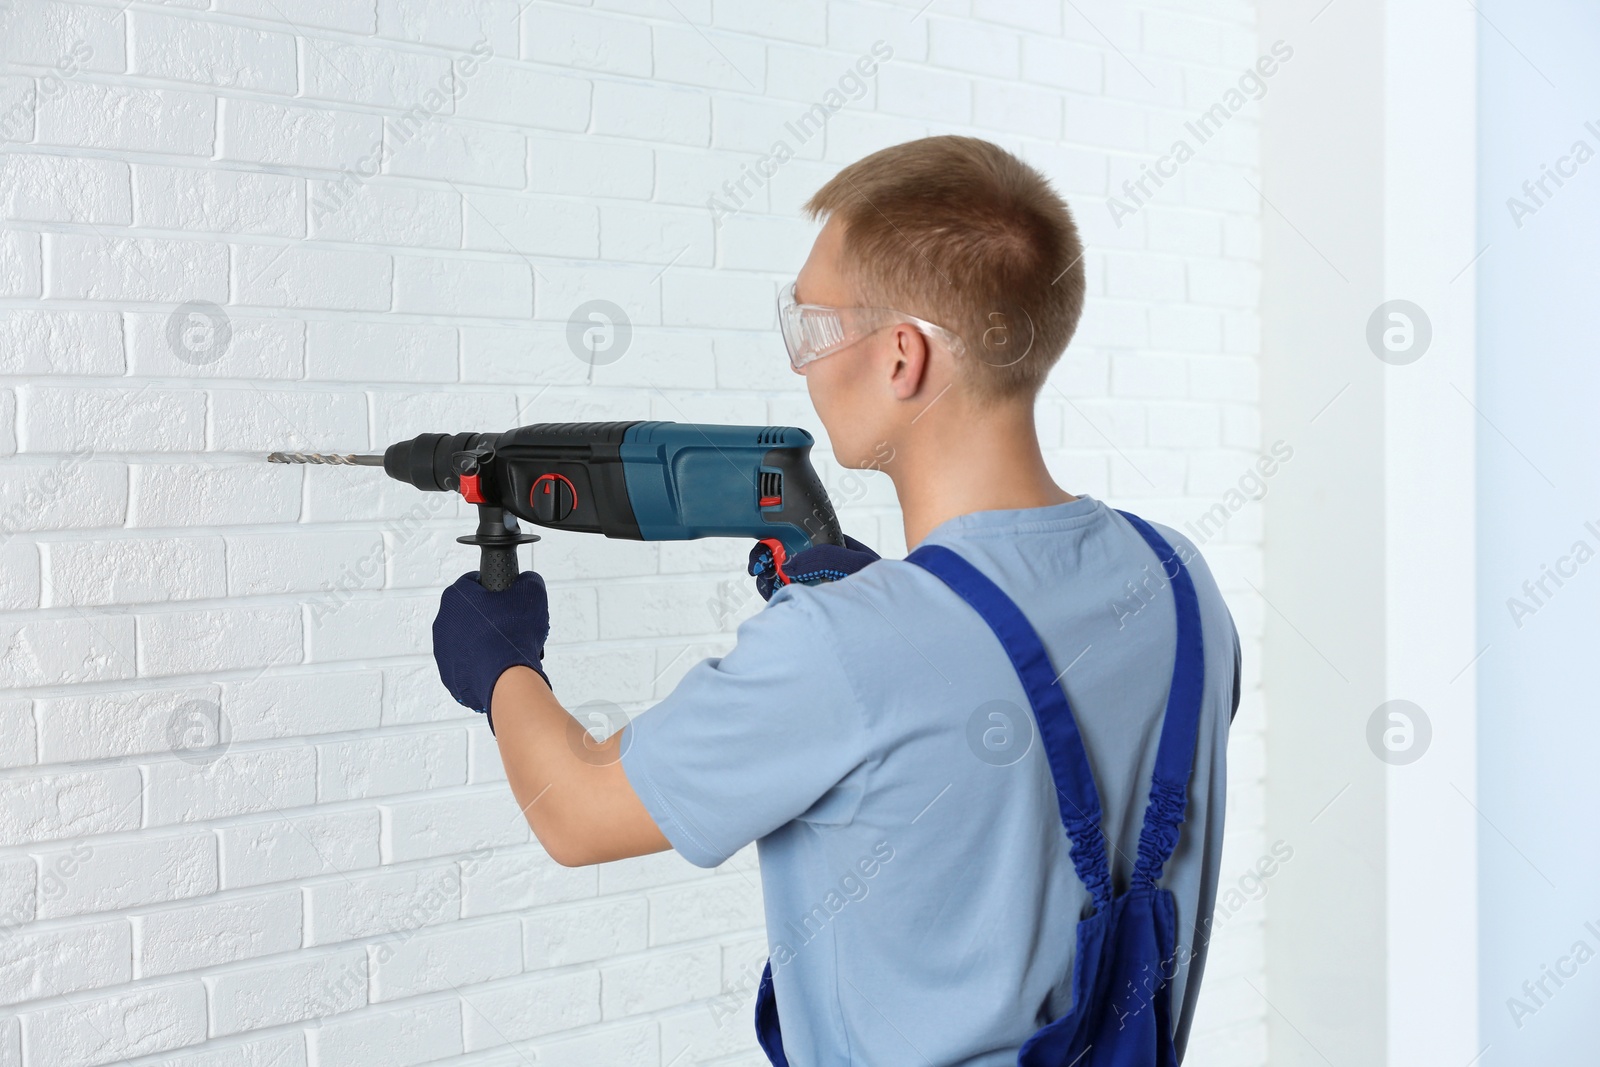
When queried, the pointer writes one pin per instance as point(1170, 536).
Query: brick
point(585, 933)
point(520, 877)
point(307, 277)
point(364, 905)
point(762, 243)
point(179, 48)
point(8, 423)
point(738, 182)
point(425, 285)
point(649, 112)
point(214, 200)
point(963, 45)
point(68, 38)
point(233, 783)
point(489, 27)
point(692, 56)
point(270, 994)
point(415, 694)
point(18, 107)
point(456, 955)
point(69, 492)
point(1063, 64)
point(705, 908)
point(65, 419)
point(468, 155)
point(440, 826)
point(61, 342)
point(583, 167)
point(262, 851)
point(132, 571)
point(206, 933)
point(341, 627)
point(532, 1007)
point(566, 38)
point(83, 878)
point(55, 962)
point(92, 267)
point(661, 980)
point(249, 348)
point(1019, 108)
point(636, 233)
point(522, 96)
point(18, 748)
point(118, 723)
point(752, 126)
point(424, 558)
point(335, 563)
point(129, 119)
point(634, 1043)
point(21, 269)
point(254, 131)
point(195, 494)
point(217, 639)
point(18, 881)
point(483, 758)
point(925, 93)
point(692, 298)
point(353, 18)
point(62, 189)
point(563, 290)
point(117, 1026)
point(423, 1033)
point(395, 763)
point(351, 351)
point(374, 77)
point(258, 420)
point(531, 226)
point(385, 214)
point(60, 651)
point(646, 872)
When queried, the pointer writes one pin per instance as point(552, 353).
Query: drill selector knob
point(553, 497)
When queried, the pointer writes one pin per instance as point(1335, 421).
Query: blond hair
point(961, 232)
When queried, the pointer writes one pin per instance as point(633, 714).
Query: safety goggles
point(811, 331)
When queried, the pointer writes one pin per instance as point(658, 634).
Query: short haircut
point(961, 232)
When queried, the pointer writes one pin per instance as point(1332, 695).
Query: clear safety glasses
point(811, 331)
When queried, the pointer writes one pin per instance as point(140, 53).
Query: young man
point(908, 762)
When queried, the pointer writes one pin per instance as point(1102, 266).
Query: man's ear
point(909, 367)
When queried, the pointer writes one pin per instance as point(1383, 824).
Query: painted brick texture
point(229, 226)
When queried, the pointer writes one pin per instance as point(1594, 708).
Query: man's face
point(848, 388)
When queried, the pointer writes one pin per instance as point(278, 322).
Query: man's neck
point(988, 462)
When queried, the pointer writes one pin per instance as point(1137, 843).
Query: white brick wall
point(398, 205)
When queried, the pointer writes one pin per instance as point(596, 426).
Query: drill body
point(650, 481)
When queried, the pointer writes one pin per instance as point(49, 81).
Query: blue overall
point(1127, 946)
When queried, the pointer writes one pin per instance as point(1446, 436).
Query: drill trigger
point(780, 556)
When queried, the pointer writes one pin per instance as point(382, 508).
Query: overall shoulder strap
point(1169, 784)
point(1076, 795)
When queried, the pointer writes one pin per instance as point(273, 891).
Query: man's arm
point(571, 788)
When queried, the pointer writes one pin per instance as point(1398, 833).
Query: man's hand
point(478, 635)
point(820, 563)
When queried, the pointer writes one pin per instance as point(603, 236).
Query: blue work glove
point(819, 563)
point(478, 635)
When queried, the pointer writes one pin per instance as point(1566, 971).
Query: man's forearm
point(571, 788)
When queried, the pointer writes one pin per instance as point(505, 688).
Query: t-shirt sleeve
point(748, 741)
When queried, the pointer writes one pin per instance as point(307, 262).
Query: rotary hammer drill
point(649, 481)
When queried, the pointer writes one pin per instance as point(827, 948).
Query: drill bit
point(323, 457)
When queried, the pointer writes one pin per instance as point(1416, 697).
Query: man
point(905, 762)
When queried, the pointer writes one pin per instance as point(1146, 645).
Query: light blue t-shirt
point(874, 739)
